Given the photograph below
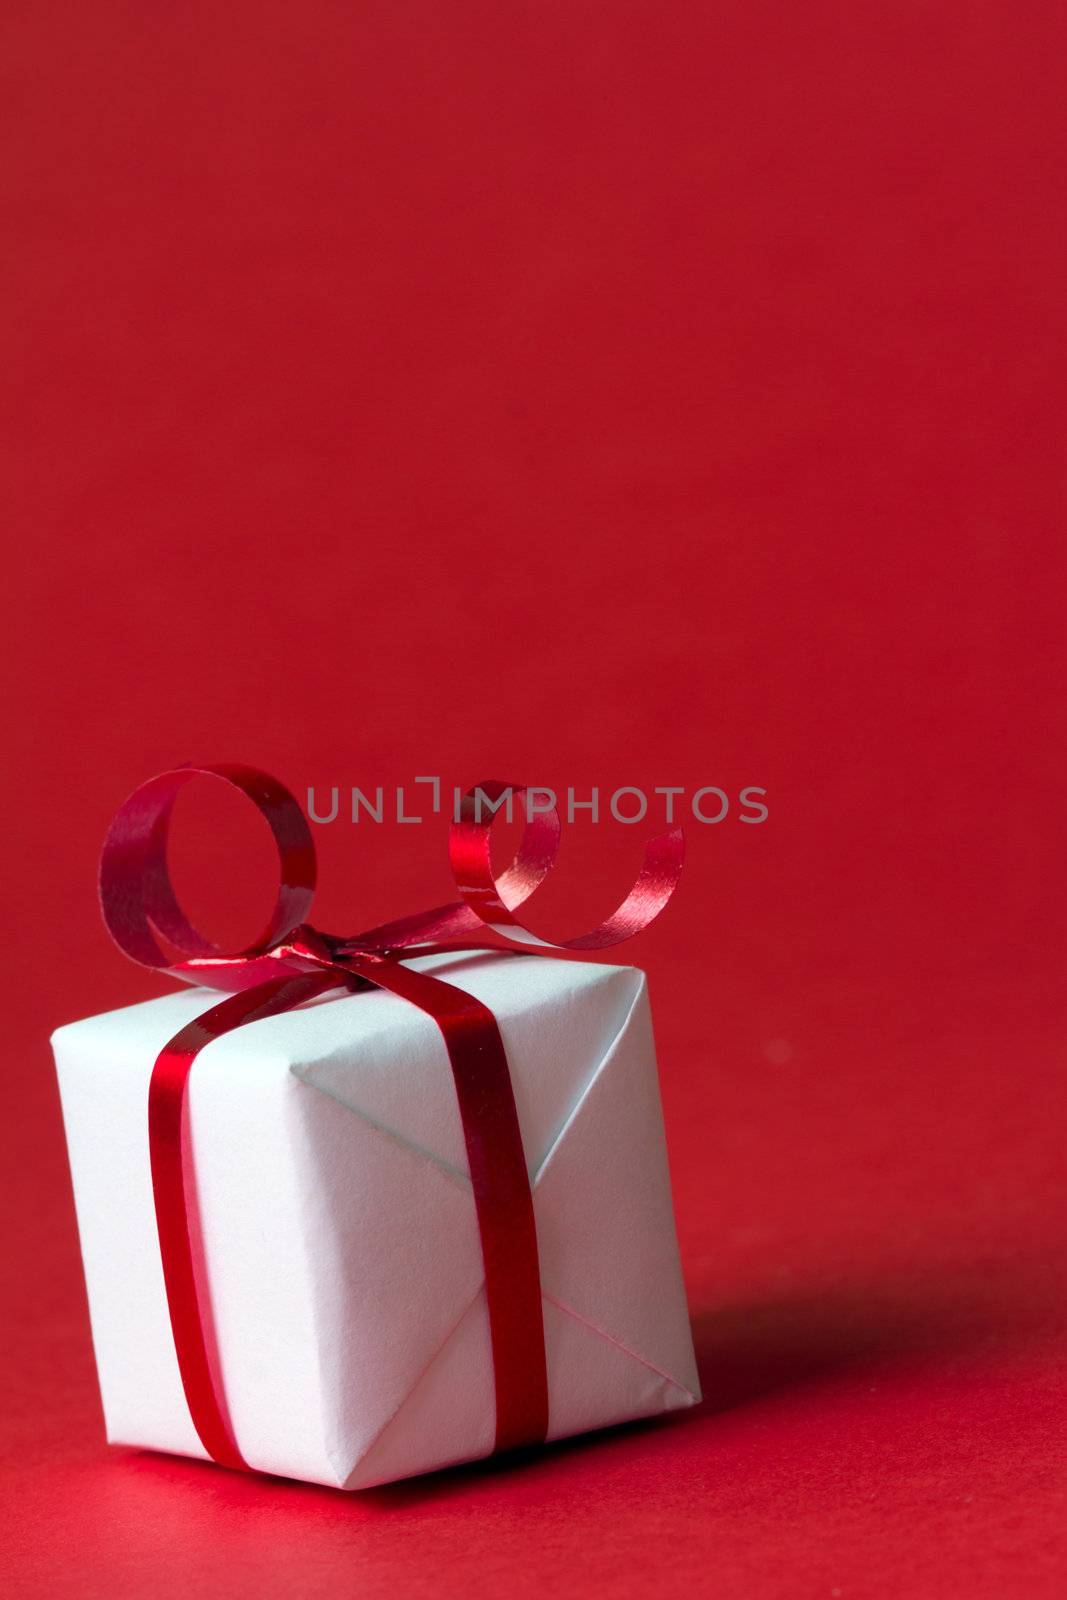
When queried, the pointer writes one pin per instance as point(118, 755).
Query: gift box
point(339, 1237)
point(401, 1198)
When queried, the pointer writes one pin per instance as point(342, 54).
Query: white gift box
point(340, 1239)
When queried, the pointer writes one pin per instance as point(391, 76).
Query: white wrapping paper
point(339, 1229)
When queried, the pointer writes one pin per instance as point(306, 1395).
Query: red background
point(583, 393)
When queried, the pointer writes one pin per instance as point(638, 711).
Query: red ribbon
point(292, 962)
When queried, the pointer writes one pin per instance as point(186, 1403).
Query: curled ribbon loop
point(291, 963)
point(136, 894)
point(494, 900)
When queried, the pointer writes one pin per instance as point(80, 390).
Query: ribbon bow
point(292, 962)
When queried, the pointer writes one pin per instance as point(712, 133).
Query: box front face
point(340, 1237)
point(247, 1218)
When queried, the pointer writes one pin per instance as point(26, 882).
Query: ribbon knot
point(293, 962)
point(306, 943)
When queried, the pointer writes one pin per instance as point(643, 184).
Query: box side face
point(246, 1211)
point(411, 1367)
point(617, 1323)
point(405, 1339)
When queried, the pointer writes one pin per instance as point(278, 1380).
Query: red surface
point(632, 394)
